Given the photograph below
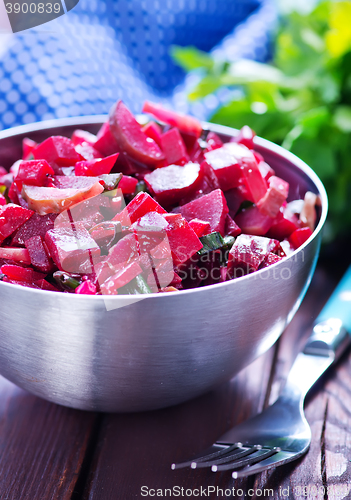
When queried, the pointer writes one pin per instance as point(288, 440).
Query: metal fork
point(281, 434)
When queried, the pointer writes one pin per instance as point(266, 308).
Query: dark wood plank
point(42, 446)
point(325, 472)
point(137, 450)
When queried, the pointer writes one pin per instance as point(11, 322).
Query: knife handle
point(332, 330)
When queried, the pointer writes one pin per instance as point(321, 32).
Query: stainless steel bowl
point(121, 354)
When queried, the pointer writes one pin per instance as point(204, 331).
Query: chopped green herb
point(136, 286)
point(211, 242)
point(140, 187)
point(228, 242)
point(66, 281)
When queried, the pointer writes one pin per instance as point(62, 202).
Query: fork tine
point(280, 458)
point(216, 451)
point(227, 458)
point(258, 456)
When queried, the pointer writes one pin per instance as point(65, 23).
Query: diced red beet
point(34, 172)
point(57, 149)
point(160, 251)
point(139, 206)
point(149, 273)
point(252, 177)
point(127, 184)
point(72, 248)
point(211, 208)
point(88, 214)
point(20, 255)
point(248, 252)
point(36, 225)
point(13, 193)
point(27, 147)
point(80, 136)
point(150, 231)
point(210, 181)
point(153, 130)
point(129, 166)
point(196, 153)
point(192, 275)
point(2, 200)
point(11, 218)
point(103, 233)
point(131, 138)
point(246, 137)
point(20, 273)
point(231, 228)
point(223, 274)
point(283, 225)
point(165, 274)
point(26, 284)
point(38, 254)
point(186, 124)
point(106, 143)
point(226, 167)
point(266, 170)
point(125, 250)
point(298, 237)
point(45, 285)
point(122, 277)
point(277, 193)
point(144, 262)
point(213, 141)
point(170, 184)
point(182, 239)
point(96, 167)
point(102, 271)
point(211, 268)
point(176, 280)
point(173, 147)
point(234, 199)
point(86, 288)
point(152, 221)
point(200, 227)
point(252, 221)
point(270, 259)
point(45, 200)
point(87, 152)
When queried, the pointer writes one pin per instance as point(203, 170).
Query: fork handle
point(330, 337)
point(330, 334)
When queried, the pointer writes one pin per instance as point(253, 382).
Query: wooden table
point(51, 452)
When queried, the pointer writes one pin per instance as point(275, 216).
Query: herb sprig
point(301, 100)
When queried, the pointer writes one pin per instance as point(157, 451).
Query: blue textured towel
point(102, 50)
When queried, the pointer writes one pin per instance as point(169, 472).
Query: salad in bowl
point(139, 208)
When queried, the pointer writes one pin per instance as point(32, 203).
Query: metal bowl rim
point(221, 129)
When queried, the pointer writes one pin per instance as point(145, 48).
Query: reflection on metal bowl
point(123, 354)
